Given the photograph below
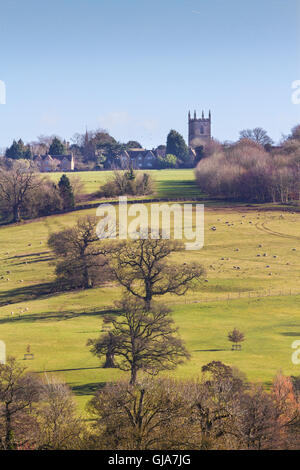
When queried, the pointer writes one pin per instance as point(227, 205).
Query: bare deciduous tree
point(60, 425)
point(153, 414)
point(142, 340)
point(18, 392)
point(258, 135)
point(141, 267)
point(15, 185)
point(82, 258)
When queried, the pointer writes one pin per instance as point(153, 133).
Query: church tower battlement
point(199, 130)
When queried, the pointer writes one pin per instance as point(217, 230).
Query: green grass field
point(169, 183)
point(264, 302)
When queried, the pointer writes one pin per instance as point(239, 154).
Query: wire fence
point(227, 296)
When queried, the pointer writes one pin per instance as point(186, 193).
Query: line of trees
point(222, 410)
point(26, 194)
point(99, 150)
point(246, 171)
point(92, 148)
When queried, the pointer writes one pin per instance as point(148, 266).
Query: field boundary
point(245, 295)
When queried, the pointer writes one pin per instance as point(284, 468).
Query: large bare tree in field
point(81, 256)
point(142, 339)
point(141, 267)
point(15, 185)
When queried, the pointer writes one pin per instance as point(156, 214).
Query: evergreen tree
point(18, 150)
point(57, 147)
point(66, 192)
point(177, 146)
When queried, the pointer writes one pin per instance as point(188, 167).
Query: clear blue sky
point(135, 67)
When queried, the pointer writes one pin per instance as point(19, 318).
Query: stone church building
point(199, 130)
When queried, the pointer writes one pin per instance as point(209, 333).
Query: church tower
point(199, 130)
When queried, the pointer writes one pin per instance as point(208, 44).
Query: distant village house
point(48, 163)
point(138, 158)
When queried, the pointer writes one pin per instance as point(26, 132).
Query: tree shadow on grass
point(291, 333)
point(61, 315)
point(210, 350)
point(28, 255)
point(40, 259)
point(27, 293)
point(87, 389)
point(178, 189)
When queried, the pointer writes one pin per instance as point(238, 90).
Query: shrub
point(169, 161)
point(127, 182)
